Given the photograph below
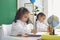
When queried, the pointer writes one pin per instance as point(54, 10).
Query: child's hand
point(34, 31)
point(24, 35)
point(19, 34)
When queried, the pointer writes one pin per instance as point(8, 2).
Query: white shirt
point(21, 28)
point(41, 26)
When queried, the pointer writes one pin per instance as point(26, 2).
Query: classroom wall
point(40, 3)
point(7, 11)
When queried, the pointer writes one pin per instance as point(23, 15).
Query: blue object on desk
point(32, 35)
point(32, 1)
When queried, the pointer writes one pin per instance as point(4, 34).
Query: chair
point(0, 32)
point(6, 29)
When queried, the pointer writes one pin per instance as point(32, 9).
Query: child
point(20, 22)
point(41, 27)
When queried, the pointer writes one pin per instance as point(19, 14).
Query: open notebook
point(38, 34)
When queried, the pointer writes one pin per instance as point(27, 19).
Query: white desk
point(20, 38)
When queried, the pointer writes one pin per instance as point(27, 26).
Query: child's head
point(41, 17)
point(22, 14)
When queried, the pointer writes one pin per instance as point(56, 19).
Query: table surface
point(20, 38)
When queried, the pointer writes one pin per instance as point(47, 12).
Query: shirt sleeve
point(41, 27)
point(19, 29)
point(16, 29)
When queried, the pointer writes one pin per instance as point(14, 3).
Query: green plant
point(36, 10)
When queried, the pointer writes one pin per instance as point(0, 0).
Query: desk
point(20, 38)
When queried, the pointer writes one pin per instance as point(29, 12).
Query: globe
point(53, 21)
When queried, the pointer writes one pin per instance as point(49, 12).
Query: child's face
point(25, 17)
point(41, 19)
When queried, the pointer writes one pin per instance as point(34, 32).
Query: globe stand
point(53, 32)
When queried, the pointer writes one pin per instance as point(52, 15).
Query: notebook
point(38, 34)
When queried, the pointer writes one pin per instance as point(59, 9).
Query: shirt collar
point(19, 21)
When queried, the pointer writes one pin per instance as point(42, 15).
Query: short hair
point(40, 14)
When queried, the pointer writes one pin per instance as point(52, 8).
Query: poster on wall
point(29, 6)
